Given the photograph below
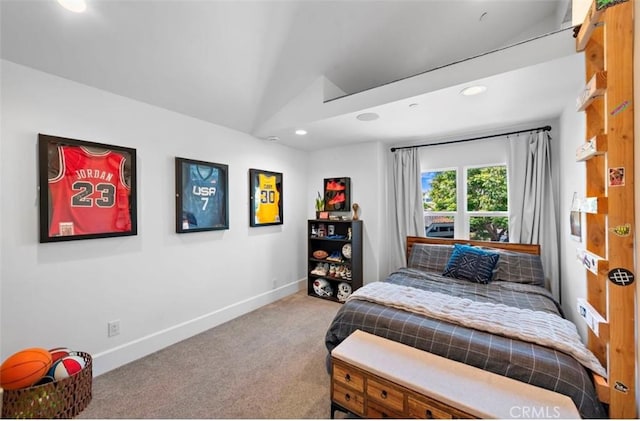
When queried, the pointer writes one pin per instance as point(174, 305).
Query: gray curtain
point(532, 217)
point(407, 202)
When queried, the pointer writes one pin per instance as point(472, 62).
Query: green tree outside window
point(486, 192)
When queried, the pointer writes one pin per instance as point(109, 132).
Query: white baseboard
point(131, 351)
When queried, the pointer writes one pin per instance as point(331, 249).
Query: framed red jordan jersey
point(265, 198)
point(87, 189)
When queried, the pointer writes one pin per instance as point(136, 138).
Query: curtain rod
point(537, 129)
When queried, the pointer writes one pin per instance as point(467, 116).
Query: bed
point(454, 307)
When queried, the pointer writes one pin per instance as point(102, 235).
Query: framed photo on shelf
point(202, 202)
point(265, 198)
point(87, 189)
point(337, 194)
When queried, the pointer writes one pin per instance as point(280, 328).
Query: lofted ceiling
point(268, 67)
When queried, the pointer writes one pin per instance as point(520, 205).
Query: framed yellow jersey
point(265, 198)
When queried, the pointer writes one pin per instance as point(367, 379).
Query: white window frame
point(469, 214)
point(453, 214)
point(462, 217)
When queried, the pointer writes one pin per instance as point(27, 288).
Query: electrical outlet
point(113, 328)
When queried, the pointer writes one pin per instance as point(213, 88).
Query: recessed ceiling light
point(77, 6)
point(367, 116)
point(273, 138)
point(301, 132)
point(473, 90)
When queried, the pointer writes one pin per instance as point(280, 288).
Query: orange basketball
point(24, 368)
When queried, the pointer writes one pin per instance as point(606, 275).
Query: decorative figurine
point(355, 208)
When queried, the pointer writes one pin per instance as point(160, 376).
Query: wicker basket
point(65, 398)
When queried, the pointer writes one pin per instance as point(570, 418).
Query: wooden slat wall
point(607, 39)
point(596, 186)
point(621, 312)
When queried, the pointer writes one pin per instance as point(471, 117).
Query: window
point(484, 215)
point(439, 201)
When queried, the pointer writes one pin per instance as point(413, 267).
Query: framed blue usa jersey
point(201, 196)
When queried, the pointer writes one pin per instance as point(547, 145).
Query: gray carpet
point(269, 363)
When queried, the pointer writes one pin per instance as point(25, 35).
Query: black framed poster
point(87, 189)
point(201, 196)
point(265, 198)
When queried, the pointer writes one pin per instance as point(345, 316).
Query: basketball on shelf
point(66, 367)
point(24, 368)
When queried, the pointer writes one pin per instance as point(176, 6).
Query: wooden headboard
point(521, 248)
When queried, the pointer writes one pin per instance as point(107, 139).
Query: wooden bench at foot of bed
point(374, 377)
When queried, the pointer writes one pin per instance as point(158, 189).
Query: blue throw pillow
point(471, 263)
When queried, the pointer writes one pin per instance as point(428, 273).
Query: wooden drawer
point(348, 399)
point(423, 407)
point(385, 393)
point(376, 410)
point(347, 376)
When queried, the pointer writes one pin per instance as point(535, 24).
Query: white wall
point(486, 151)
point(162, 286)
point(364, 164)
point(573, 180)
point(489, 151)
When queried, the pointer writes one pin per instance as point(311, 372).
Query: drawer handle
point(429, 414)
point(347, 378)
point(347, 397)
point(383, 394)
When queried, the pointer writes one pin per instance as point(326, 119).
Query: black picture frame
point(337, 194)
point(87, 189)
point(202, 196)
point(265, 198)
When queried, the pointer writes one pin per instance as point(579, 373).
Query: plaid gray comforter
point(519, 360)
